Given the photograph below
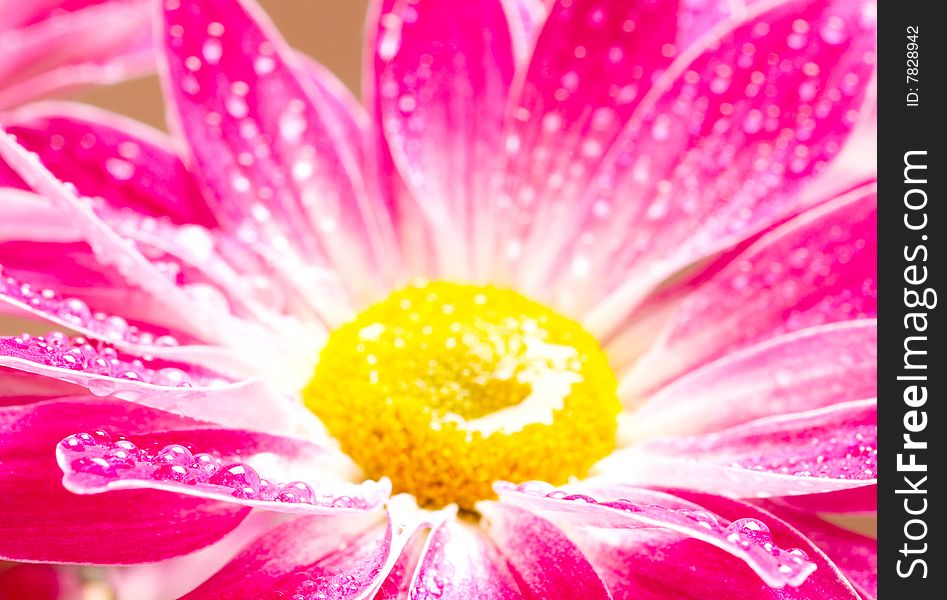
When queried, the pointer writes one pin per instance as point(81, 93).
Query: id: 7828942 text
point(912, 73)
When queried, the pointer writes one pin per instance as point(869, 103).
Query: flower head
point(593, 283)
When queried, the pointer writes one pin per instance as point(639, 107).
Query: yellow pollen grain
point(446, 388)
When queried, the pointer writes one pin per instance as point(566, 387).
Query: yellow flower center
point(446, 388)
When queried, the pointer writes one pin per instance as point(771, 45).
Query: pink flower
point(55, 45)
point(653, 171)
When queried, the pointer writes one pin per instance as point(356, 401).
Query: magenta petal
point(819, 268)
point(591, 66)
point(861, 501)
point(698, 17)
point(107, 155)
point(442, 76)
point(808, 369)
point(276, 166)
point(721, 149)
point(42, 521)
point(646, 563)
point(54, 48)
point(637, 539)
point(398, 581)
point(172, 387)
point(218, 464)
point(855, 554)
point(822, 450)
point(338, 557)
point(109, 247)
point(526, 18)
point(459, 561)
point(544, 562)
point(66, 283)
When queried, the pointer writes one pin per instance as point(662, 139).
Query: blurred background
point(328, 30)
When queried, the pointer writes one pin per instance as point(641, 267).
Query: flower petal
point(861, 501)
point(591, 65)
point(442, 73)
point(51, 49)
point(109, 247)
point(637, 539)
point(398, 581)
point(459, 561)
point(164, 385)
point(822, 450)
point(172, 578)
point(42, 521)
point(526, 18)
point(808, 369)
point(647, 565)
point(818, 268)
point(720, 150)
point(107, 155)
point(854, 554)
point(698, 17)
point(220, 467)
point(46, 254)
point(276, 166)
point(544, 562)
point(340, 558)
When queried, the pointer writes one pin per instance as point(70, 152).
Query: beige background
point(329, 30)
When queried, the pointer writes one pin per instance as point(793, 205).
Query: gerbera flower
point(571, 287)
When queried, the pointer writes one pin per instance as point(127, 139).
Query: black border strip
point(911, 386)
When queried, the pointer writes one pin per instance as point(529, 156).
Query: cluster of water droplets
point(56, 349)
point(75, 313)
point(851, 453)
point(433, 582)
point(280, 161)
point(115, 459)
point(748, 536)
point(344, 575)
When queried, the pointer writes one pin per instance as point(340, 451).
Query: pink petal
point(93, 43)
point(698, 17)
point(175, 577)
point(398, 581)
point(169, 386)
point(42, 521)
point(110, 248)
point(646, 565)
point(442, 74)
point(104, 154)
point(46, 252)
point(854, 554)
point(808, 369)
point(822, 450)
point(638, 539)
point(591, 66)
point(818, 268)
point(218, 464)
point(861, 501)
point(720, 150)
point(133, 169)
point(46, 273)
point(338, 557)
point(544, 562)
point(526, 19)
point(459, 561)
point(276, 166)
